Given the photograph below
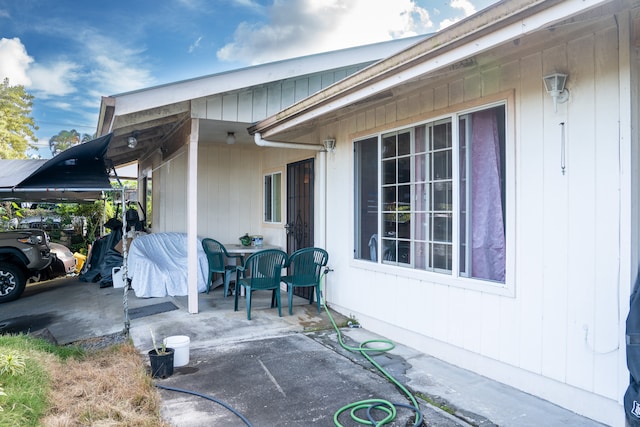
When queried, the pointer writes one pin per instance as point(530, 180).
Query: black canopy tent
point(78, 174)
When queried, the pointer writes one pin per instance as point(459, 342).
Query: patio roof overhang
point(160, 116)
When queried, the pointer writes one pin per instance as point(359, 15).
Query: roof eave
point(497, 24)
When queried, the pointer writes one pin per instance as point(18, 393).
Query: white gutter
point(278, 144)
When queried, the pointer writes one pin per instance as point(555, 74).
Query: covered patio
point(198, 166)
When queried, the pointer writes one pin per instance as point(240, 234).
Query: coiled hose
point(370, 405)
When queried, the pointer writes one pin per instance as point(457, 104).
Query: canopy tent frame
point(78, 174)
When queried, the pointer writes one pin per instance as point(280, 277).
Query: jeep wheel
point(12, 282)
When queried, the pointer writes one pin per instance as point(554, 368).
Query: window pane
point(277, 197)
point(272, 197)
point(442, 196)
point(442, 228)
point(389, 250)
point(389, 198)
point(389, 225)
point(404, 169)
point(404, 197)
point(421, 226)
point(389, 171)
point(421, 197)
point(420, 258)
point(404, 252)
point(366, 212)
point(267, 198)
point(404, 144)
point(442, 256)
point(389, 146)
point(442, 165)
point(482, 210)
point(442, 136)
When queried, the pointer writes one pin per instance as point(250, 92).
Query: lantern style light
point(554, 84)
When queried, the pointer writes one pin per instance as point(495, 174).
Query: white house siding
point(559, 334)
point(230, 199)
point(169, 193)
point(229, 192)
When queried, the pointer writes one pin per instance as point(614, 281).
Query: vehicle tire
point(12, 282)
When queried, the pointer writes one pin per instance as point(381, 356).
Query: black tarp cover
point(79, 173)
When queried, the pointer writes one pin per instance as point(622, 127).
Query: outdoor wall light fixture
point(231, 138)
point(329, 144)
point(554, 84)
point(132, 141)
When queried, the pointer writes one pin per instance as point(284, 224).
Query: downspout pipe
point(257, 137)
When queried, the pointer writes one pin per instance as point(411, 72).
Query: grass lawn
point(42, 384)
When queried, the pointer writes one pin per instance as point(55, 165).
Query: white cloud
point(46, 79)
point(195, 44)
point(113, 67)
point(14, 62)
point(53, 80)
point(115, 75)
point(467, 8)
point(61, 105)
point(303, 27)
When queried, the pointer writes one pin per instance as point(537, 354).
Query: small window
point(273, 197)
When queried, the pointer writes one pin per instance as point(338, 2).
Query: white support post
point(320, 237)
point(192, 216)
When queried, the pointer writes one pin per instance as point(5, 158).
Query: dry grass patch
point(108, 387)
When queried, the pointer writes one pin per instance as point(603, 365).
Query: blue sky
point(69, 53)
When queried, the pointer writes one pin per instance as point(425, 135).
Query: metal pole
point(125, 275)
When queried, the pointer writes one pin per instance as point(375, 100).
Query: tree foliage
point(66, 139)
point(16, 124)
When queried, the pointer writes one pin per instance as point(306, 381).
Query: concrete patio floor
point(285, 371)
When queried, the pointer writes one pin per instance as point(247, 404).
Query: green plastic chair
point(217, 255)
point(261, 271)
point(304, 269)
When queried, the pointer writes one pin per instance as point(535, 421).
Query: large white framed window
point(432, 196)
point(273, 197)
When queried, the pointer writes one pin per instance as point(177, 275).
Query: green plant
point(159, 350)
point(9, 213)
point(12, 363)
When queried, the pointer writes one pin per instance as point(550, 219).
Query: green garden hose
point(385, 406)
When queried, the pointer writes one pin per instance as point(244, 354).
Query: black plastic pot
point(161, 364)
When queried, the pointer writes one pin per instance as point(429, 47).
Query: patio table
point(235, 248)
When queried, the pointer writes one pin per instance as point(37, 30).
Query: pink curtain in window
point(488, 242)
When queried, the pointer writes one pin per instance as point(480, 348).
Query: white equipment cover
point(157, 265)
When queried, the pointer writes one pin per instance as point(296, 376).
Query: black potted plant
point(161, 360)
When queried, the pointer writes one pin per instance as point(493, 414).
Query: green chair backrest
point(305, 265)
point(263, 268)
point(215, 254)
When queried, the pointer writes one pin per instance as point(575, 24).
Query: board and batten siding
point(258, 102)
point(230, 199)
point(558, 335)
